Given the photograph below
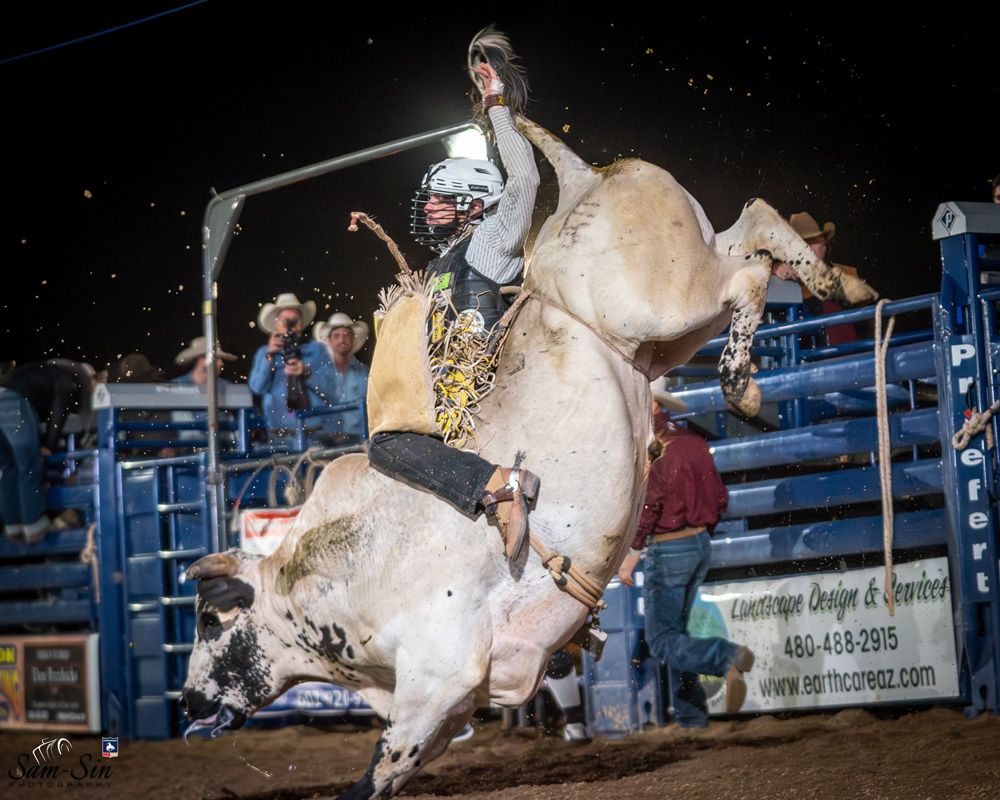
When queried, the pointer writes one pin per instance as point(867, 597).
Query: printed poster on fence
point(262, 529)
point(50, 682)
point(827, 639)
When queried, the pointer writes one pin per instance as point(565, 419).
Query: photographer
point(289, 373)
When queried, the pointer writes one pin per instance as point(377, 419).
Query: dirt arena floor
point(851, 754)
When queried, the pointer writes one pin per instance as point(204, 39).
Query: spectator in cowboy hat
point(283, 321)
point(193, 357)
point(344, 337)
point(819, 240)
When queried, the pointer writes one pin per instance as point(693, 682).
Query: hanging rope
point(89, 556)
point(234, 521)
point(884, 449)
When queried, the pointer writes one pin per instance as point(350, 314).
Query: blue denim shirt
point(348, 387)
point(268, 381)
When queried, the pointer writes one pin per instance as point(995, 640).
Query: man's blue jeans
point(22, 500)
point(672, 574)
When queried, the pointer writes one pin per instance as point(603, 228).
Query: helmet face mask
point(461, 181)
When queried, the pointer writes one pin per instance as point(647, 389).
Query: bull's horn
point(216, 565)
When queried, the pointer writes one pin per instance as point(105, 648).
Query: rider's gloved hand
point(491, 85)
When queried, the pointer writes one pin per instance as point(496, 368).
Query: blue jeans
point(672, 575)
point(22, 499)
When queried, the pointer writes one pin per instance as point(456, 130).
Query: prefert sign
point(973, 512)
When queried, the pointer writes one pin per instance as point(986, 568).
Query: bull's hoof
point(749, 404)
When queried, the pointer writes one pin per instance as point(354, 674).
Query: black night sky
point(113, 143)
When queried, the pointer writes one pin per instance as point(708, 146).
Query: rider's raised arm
point(497, 248)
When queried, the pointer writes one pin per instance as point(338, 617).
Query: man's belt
point(681, 533)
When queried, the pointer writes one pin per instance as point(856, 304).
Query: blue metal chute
point(905, 363)
point(832, 489)
point(823, 441)
point(835, 538)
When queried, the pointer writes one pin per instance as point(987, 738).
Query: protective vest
point(469, 287)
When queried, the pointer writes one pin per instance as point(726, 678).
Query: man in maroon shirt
point(684, 498)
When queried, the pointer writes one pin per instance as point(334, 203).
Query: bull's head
point(229, 673)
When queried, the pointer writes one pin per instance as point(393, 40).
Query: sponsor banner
point(50, 682)
point(325, 699)
point(11, 683)
point(826, 639)
point(262, 529)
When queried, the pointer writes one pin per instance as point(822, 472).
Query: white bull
point(385, 589)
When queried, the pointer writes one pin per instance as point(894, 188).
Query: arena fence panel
point(805, 516)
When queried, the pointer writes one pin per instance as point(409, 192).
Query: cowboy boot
point(506, 498)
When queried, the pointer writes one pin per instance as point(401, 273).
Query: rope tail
point(379, 231)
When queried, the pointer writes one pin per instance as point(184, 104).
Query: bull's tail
point(576, 177)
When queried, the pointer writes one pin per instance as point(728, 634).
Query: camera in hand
point(291, 349)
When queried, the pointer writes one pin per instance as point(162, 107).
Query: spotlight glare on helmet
point(467, 144)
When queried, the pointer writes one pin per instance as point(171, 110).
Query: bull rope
point(884, 449)
point(561, 569)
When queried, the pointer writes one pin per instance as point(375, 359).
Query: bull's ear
point(216, 565)
point(226, 593)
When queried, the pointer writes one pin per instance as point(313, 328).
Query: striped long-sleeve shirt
point(497, 246)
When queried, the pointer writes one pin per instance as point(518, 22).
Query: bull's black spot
point(414, 751)
point(449, 593)
point(289, 616)
point(245, 666)
point(330, 648)
point(364, 789)
point(310, 623)
point(396, 755)
point(327, 647)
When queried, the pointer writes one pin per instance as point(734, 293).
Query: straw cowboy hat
point(665, 399)
point(270, 311)
point(197, 348)
point(807, 227)
point(321, 330)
